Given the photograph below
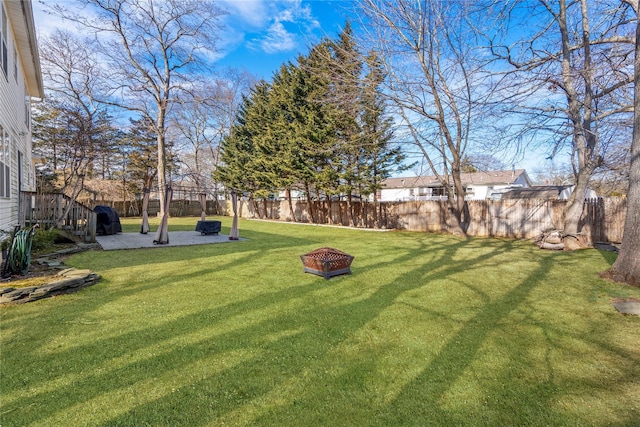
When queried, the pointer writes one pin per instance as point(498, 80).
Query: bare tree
point(626, 268)
point(572, 80)
point(433, 79)
point(204, 117)
point(149, 48)
point(72, 76)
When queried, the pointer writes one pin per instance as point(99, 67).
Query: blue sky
point(261, 35)
point(258, 35)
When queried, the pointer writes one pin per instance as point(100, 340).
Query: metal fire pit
point(327, 262)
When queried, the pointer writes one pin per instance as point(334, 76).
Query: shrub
point(43, 240)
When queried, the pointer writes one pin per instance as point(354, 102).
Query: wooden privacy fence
point(178, 207)
point(602, 218)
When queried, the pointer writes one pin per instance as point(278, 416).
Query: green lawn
point(428, 330)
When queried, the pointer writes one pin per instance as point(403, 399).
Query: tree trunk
point(162, 169)
point(626, 269)
point(364, 220)
point(376, 207)
point(291, 211)
point(310, 203)
point(350, 215)
point(458, 205)
point(575, 205)
point(256, 209)
point(580, 114)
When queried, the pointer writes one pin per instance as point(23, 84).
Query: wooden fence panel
point(602, 220)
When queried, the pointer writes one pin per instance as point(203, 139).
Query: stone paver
point(627, 306)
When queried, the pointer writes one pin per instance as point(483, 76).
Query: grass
point(428, 330)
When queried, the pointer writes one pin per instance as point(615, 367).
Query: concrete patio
point(176, 238)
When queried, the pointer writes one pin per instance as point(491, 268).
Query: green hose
point(19, 257)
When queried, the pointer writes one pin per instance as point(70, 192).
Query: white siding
point(476, 190)
point(13, 120)
point(395, 194)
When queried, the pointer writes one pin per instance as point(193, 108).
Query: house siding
point(479, 185)
point(15, 123)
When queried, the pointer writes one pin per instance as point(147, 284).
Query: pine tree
point(240, 167)
point(380, 157)
point(321, 124)
point(346, 67)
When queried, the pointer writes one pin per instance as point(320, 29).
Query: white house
point(477, 186)
point(20, 81)
point(547, 192)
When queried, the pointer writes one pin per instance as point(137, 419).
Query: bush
point(5, 239)
point(43, 240)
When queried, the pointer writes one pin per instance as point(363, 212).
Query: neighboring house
point(477, 186)
point(20, 81)
point(546, 192)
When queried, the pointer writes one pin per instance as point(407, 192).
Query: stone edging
point(69, 281)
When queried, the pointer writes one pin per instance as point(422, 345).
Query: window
point(469, 192)
point(21, 171)
point(27, 111)
point(4, 60)
point(5, 164)
point(438, 191)
point(15, 64)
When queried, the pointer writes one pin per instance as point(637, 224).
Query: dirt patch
point(37, 275)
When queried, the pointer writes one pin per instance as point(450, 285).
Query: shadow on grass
point(278, 357)
point(452, 360)
point(321, 329)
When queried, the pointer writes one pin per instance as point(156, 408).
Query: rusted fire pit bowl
point(327, 262)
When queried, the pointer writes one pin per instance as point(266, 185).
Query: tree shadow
point(317, 329)
point(299, 353)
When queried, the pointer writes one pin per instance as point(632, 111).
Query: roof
point(505, 177)
point(20, 14)
point(547, 192)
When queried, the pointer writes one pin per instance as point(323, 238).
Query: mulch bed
point(47, 276)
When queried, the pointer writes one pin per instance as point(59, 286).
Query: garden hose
point(19, 257)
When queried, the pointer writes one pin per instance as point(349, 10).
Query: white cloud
point(250, 13)
point(271, 26)
point(277, 39)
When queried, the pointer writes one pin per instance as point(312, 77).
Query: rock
point(71, 280)
point(573, 243)
point(627, 306)
point(554, 237)
point(552, 246)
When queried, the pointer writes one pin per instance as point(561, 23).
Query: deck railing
point(58, 211)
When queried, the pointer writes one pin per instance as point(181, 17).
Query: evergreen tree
point(380, 157)
point(346, 65)
point(240, 168)
point(141, 149)
point(321, 124)
point(318, 158)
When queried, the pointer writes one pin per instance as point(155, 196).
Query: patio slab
point(176, 238)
